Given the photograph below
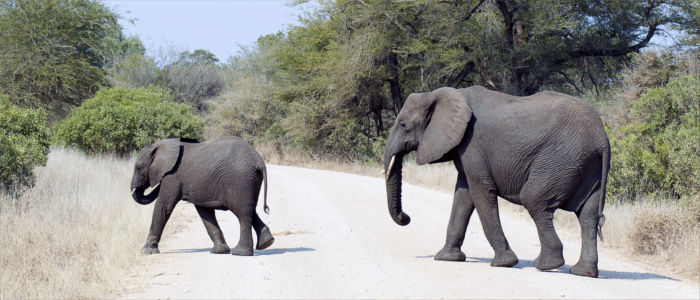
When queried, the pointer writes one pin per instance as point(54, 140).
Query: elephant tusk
point(151, 189)
point(388, 171)
point(133, 191)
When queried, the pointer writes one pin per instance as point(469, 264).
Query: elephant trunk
point(392, 167)
point(140, 198)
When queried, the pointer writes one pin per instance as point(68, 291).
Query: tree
point(565, 45)
point(132, 68)
point(194, 78)
point(341, 76)
point(52, 53)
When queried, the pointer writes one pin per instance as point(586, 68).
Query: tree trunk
point(394, 83)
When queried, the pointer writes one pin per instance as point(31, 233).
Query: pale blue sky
point(218, 26)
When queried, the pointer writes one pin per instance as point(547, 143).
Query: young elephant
point(224, 174)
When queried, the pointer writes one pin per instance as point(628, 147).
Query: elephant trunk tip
point(402, 219)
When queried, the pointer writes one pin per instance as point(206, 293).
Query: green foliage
point(53, 53)
point(122, 120)
point(24, 144)
point(659, 151)
point(334, 83)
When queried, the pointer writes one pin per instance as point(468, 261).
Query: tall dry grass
point(75, 233)
point(662, 233)
point(659, 232)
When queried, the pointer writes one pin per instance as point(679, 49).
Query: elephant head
point(152, 164)
point(432, 124)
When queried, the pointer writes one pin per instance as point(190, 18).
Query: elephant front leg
point(161, 213)
point(209, 218)
point(462, 208)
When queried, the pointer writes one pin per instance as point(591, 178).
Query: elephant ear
point(165, 156)
point(448, 116)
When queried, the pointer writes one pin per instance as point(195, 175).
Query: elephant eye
point(402, 124)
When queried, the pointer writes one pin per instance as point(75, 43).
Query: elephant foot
point(265, 239)
point(450, 254)
point(549, 262)
point(507, 259)
point(585, 269)
point(150, 248)
point(242, 251)
point(220, 249)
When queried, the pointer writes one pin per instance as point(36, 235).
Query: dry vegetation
point(75, 234)
point(663, 233)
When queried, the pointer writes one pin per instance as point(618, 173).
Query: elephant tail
point(605, 154)
point(265, 207)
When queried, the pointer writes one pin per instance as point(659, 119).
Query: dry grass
point(75, 234)
point(660, 233)
point(664, 234)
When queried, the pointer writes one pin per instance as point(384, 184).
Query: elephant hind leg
point(487, 208)
point(588, 218)
point(245, 242)
point(265, 238)
point(209, 218)
point(551, 256)
point(540, 196)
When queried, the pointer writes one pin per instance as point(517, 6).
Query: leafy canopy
point(53, 53)
point(334, 83)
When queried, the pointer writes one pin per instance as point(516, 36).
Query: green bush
point(659, 151)
point(24, 144)
point(122, 120)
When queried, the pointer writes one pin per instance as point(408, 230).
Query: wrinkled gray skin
point(544, 151)
point(224, 175)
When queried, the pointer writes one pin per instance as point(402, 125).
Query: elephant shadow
point(602, 274)
point(273, 251)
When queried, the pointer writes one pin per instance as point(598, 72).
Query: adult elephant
point(544, 151)
point(224, 175)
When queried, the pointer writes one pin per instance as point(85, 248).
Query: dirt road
point(335, 239)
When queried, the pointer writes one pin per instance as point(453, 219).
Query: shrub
point(659, 151)
point(122, 120)
point(24, 144)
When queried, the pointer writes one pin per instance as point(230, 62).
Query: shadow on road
point(282, 250)
point(602, 274)
point(257, 252)
point(192, 250)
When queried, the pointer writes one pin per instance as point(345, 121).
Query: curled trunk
point(140, 198)
point(393, 190)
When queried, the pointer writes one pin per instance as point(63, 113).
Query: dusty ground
point(335, 239)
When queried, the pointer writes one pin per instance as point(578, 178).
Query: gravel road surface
point(335, 239)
